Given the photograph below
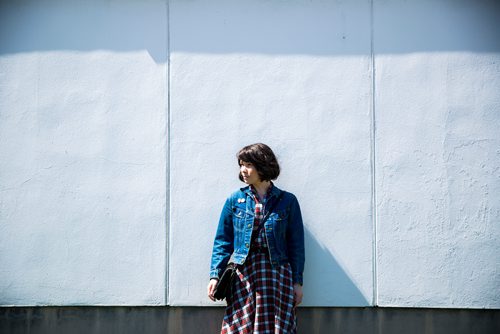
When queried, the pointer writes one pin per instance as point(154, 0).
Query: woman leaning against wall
point(261, 230)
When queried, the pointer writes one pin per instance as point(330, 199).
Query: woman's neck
point(261, 187)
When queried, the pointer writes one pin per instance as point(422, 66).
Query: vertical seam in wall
point(167, 172)
point(372, 162)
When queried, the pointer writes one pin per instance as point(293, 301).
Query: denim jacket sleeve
point(295, 242)
point(223, 243)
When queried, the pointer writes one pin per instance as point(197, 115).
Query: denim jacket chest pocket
point(278, 224)
point(242, 220)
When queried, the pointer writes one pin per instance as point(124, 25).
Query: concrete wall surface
point(437, 161)
point(120, 121)
point(261, 71)
point(188, 320)
point(83, 99)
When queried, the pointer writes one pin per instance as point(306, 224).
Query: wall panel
point(259, 71)
point(82, 152)
point(437, 162)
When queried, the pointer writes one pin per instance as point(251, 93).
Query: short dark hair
point(263, 158)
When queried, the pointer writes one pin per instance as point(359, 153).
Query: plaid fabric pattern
point(262, 299)
point(259, 240)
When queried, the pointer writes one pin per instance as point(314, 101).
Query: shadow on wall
point(332, 28)
point(49, 25)
point(332, 285)
point(261, 27)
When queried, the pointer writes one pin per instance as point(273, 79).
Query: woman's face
point(249, 173)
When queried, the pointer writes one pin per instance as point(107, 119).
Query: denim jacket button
point(246, 245)
point(270, 229)
point(249, 225)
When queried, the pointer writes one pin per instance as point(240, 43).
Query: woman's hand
point(211, 288)
point(297, 293)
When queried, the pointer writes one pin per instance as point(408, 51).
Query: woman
point(269, 256)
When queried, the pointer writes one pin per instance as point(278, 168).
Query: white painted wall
point(84, 107)
point(82, 153)
point(262, 71)
point(438, 153)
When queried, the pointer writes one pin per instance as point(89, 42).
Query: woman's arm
point(295, 241)
point(223, 243)
point(297, 294)
point(211, 288)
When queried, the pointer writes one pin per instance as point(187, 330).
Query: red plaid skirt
point(261, 300)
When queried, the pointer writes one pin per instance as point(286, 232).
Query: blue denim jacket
point(284, 232)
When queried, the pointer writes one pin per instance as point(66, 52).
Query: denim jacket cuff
point(297, 278)
point(214, 274)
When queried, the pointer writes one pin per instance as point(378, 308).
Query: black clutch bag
point(223, 287)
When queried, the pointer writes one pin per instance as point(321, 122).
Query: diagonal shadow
point(325, 282)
